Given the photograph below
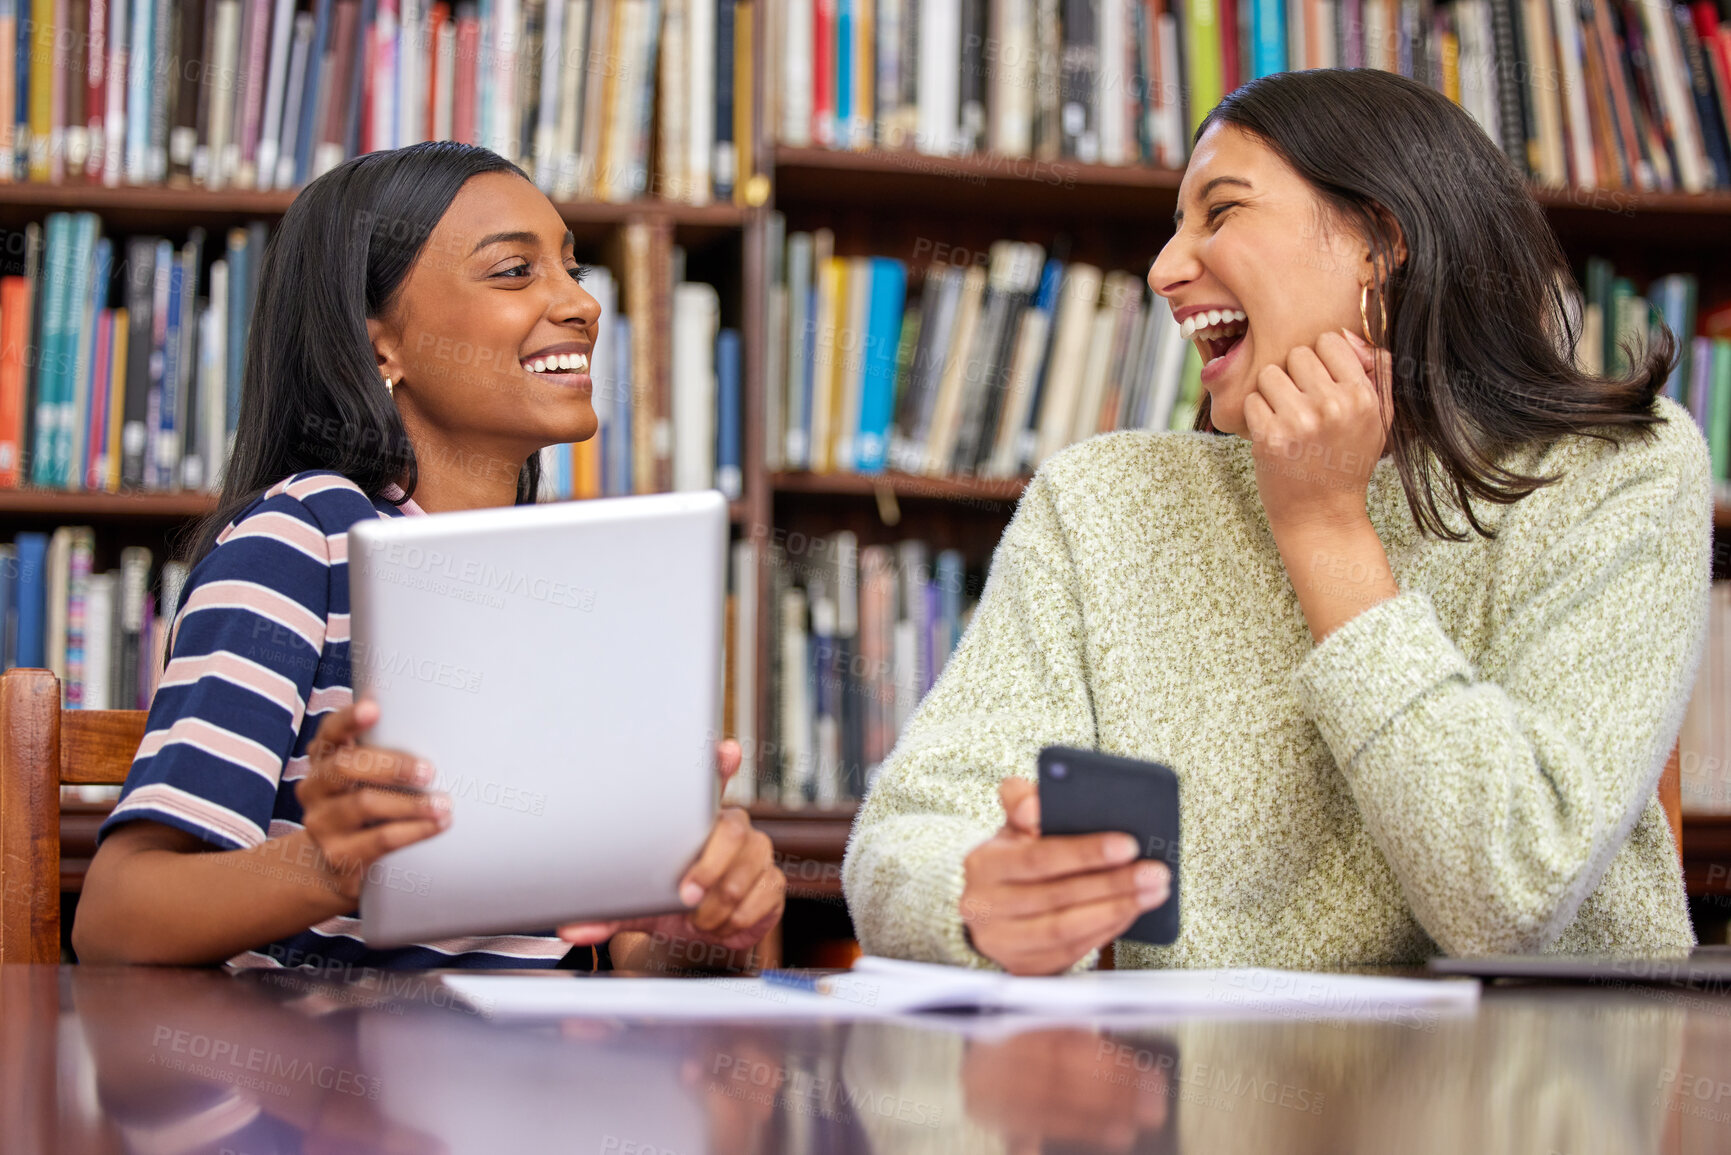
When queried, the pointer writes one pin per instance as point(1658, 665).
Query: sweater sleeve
point(1500, 792)
point(1015, 683)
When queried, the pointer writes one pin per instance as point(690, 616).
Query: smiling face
point(490, 334)
point(1256, 268)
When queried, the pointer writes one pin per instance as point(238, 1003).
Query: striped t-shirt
point(259, 654)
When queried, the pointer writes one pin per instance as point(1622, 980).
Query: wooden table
point(169, 1061)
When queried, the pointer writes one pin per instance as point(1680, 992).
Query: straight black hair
point(312, 396)
point(1478, 323)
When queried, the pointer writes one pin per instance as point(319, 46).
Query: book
point(97, 691)
point(1077, 301)
point(14, 334)
point(696, 325)
point(729, 442)
point(852, 316)
point(31, 593)
point(1080, 61)
point(135, 564)
point(742, 790)
point(883, 332)
point(57, 585)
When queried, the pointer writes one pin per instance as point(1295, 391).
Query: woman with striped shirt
point(420, 334)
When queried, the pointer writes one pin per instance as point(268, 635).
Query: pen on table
point(816, 984)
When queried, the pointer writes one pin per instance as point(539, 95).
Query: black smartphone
point(1087, 792)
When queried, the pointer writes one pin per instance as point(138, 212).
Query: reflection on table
point(165, 1062)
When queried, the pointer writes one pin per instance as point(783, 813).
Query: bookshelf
point(164, 507)
point(876, 201)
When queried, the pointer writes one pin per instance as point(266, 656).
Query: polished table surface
point(162, 1062)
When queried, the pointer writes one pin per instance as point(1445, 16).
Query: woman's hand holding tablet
point(362, 802)
point(734, 891)
point(1036, 905)
point(359, 803)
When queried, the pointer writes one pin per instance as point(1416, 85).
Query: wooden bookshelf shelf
point(1706, 853)
point(1083, 194)
point(959, 490)
point(809, 843)
point(965, 184)
point(988, 166)
point(144, 198)
point(775, 812)
point(134, 206)
point(53, 503)
point(803, 164)
point(1631, 201)
point(996, 491)
point(163, 506)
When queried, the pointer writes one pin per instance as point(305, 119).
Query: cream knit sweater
point(1467, 768)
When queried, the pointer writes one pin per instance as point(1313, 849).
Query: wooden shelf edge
point(979, 166)
point(193, 200)
point(917, 166)
point(1632, 200)
point(998, 491)
point(995, 491)
point(774, 811)
point(175, 505)
point(1076, 175)
point(169, 506)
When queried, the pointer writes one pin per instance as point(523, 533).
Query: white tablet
point(560, 665)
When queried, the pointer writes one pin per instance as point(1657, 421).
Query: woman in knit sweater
point(1416, 650)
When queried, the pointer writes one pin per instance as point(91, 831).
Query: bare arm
point(159, 895)
point(156, 894)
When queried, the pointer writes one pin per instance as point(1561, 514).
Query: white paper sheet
point(878, 988)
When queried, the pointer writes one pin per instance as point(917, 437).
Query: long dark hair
point(1478, 322)
point(311, 393)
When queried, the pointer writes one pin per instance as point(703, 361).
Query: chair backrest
point(43, 747)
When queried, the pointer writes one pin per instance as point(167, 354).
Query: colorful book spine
point(1203, 59)
point(14, 333)
point(729, 447)
point(31, 591)
point(888, 296)
point(1268, 36)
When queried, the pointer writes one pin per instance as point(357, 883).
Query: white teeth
point(1204, 321)
point(1213, 325)
point(559, 363)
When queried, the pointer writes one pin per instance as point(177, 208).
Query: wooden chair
point(43, 747)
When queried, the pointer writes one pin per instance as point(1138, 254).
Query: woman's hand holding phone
point(359, 803)
point(734, 892)
point(1037, 904)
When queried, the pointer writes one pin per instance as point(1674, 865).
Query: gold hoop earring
point(390, 390)
point(1364, 313)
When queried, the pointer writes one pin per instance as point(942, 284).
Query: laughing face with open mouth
point(1255, 269)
